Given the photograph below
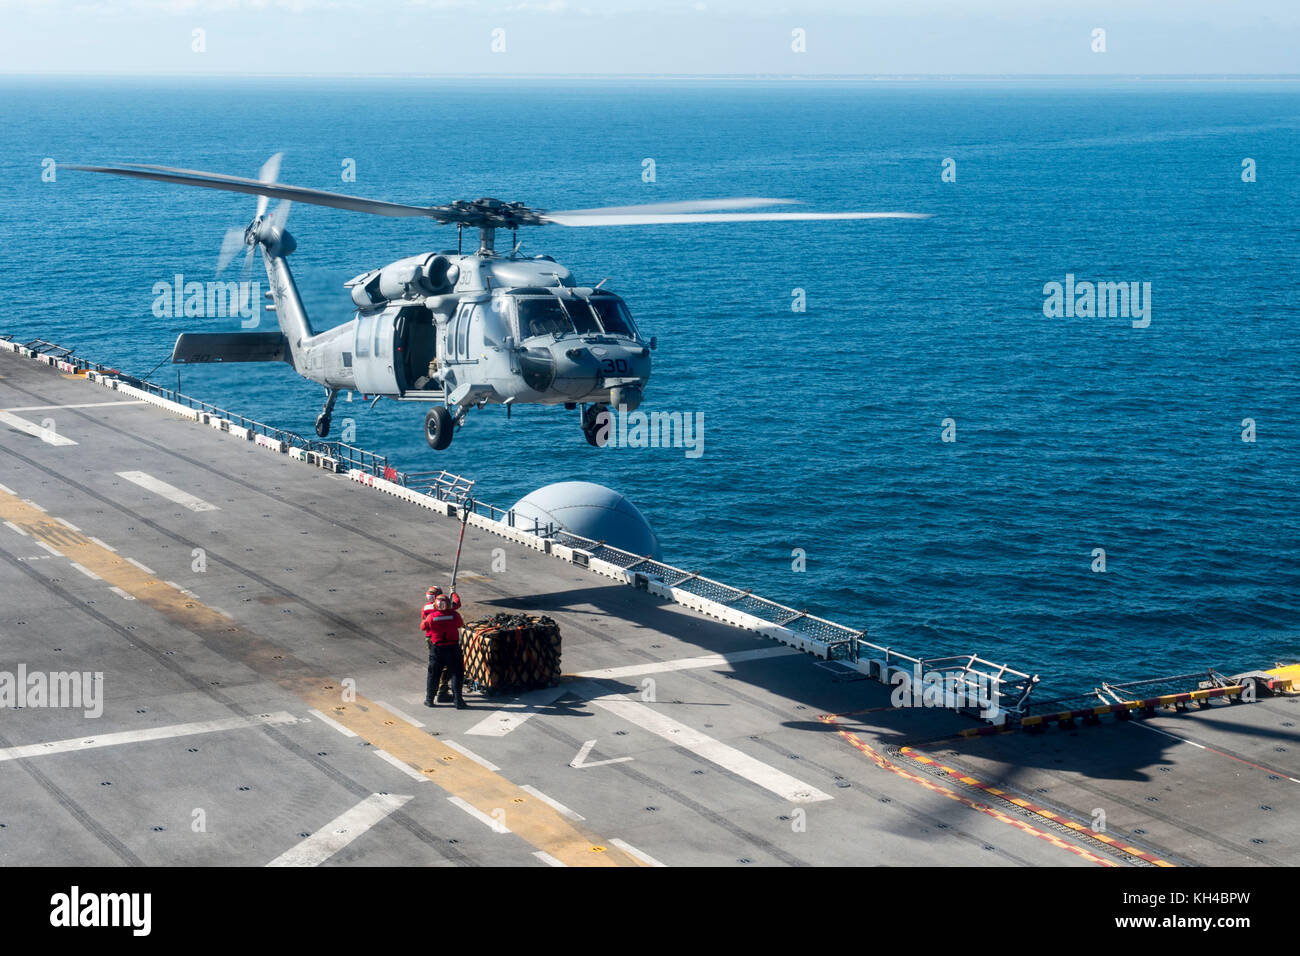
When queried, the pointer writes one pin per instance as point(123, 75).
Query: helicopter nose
point(577, 371)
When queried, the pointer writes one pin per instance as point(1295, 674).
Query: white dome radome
point(591, 511)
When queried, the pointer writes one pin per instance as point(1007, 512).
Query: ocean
point(825, 480)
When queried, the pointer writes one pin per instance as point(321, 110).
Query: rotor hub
point(489, 213)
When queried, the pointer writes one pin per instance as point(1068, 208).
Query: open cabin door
point(416, 341)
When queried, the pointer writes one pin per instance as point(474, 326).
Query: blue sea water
point(822, 428)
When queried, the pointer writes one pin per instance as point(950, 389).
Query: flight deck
point(252, 607)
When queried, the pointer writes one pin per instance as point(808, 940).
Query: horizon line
point(658, 76)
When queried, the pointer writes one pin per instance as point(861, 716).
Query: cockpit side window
point(581, 315)
point(494, 319)
point(541, 316)
point(613, 315)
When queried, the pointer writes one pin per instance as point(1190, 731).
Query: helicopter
point(452, 329)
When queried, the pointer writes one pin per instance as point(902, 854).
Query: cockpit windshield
point(583, 318)
point(613, 315)
point(549, 315)
point(542, 316)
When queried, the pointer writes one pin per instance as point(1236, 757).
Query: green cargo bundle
point(511, 652)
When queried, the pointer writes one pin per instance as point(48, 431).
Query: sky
point(565, 37)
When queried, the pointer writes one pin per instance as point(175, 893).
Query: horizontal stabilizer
point(199, 347)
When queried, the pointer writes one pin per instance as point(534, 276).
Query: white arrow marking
point(341, 831)
point(579, 762)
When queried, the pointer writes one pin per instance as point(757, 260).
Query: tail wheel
point(438, 428)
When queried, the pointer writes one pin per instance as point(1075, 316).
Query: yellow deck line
point(531, 819)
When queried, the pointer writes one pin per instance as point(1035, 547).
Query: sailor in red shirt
point(444, 682)
point(442, 626)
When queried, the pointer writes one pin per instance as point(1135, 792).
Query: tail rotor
point(260, 228)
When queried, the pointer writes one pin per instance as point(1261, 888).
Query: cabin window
point(365, 329)
point(462, 335)
point(457, 332)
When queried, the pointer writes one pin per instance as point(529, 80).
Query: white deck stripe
point(170, 492)
point(724, 755)
point(106, 547)
point(1154, 730)
point(511, 717)
point(479, 815)
point(639, 854)
point(13, 527)
point(50, 408)
point(333, 723)
point(1184, 740)
point(9, 491)
point(47, 435)
point(689, 663)
point(31, 504)
point(552, 802)
point(122, 594)
point(501, 722)
point(341, 831)
point(548, 859)
point(398, 713)
point(141, 736)
point(68, 524)
point(86, 571)
point(401, 765)
point(56, 553)
point(148, 571)
point(466, 752)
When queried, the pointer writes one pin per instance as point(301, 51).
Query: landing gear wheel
point(323, 419)
point(438, 428)
point(594, 426)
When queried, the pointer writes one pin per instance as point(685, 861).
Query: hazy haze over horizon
point(634, 37)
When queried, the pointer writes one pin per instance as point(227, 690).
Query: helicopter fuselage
point(485, 329)
point(454, 331)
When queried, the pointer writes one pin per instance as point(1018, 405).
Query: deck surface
point(254, 620)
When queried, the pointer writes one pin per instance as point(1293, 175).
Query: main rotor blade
point(689, 205)
point(252, 187)
point(660, 219)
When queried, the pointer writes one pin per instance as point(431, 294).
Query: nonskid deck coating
point(310, 581)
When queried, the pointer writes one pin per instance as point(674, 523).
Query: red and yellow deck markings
point(880, 761)
point(970, 781)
